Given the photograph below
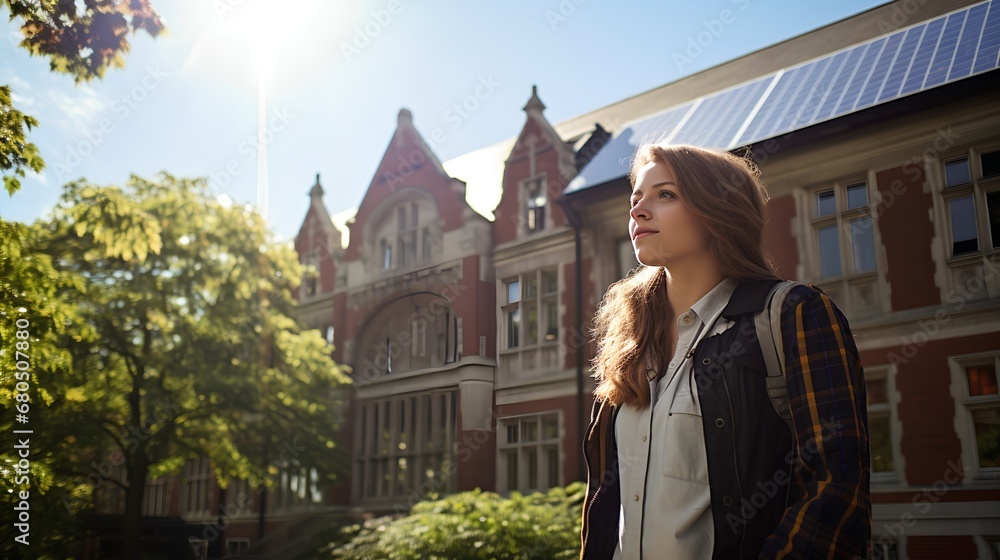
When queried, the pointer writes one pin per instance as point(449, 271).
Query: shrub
point(475, 525)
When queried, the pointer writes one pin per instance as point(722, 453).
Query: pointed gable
point(539, 166)
point(318, 242)
point(409, 163)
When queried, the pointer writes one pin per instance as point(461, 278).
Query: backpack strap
point(768, 323)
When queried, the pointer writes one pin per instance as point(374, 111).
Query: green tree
point(474, 525)
point(185, 343)
point(30, 296)
point(82, 39)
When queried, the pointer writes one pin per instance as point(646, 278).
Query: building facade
point(468, 334)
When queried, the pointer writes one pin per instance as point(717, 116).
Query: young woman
point(687, 457)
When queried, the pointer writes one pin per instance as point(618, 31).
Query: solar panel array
point(907, 61)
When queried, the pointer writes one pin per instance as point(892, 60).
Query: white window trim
point(524, 345)
point(964, 425)
point(948, 264)
point(898, 475)
point(370, 420)
point(238, 540)
point(525, 192)
point(426, 224)
point(157, 490)
point(194, 472)
point(311, 260)
point(811, 222)
point(539, 444)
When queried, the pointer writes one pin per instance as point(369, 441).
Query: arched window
point(405, 234)
point(412, 333)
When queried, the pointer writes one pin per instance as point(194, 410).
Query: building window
point(196, 488)
point(156, 502)
point(979, 414)
point(883, 425)
point(844, 230)
point(530, 321)
point(407, 221)
point(405, 236)
point(529, 456)
point(405, 444)
point(885, 549)
point(328, 335)
point(296, 487)
point(236, 546)
point(386, 255)
point(971, 191)
point(844, 241)
point(413, 333)
point(311, 274)
point(534, 204)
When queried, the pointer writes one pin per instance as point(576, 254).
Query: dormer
point(537, 170)
point(318, 247)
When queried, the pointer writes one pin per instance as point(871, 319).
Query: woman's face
point(662, 227)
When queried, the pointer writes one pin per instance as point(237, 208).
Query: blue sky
point(337, 74)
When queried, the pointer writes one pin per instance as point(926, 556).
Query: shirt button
point(671, 364)
point(635, 498)
point(706, 361)
point(643, 438)
point(727, 501)
point(686, 319)
point(719, 422)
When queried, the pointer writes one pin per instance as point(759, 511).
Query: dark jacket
point(776, 492)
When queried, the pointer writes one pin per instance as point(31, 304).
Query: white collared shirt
point(662, 460)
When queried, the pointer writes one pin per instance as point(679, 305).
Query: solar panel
point(839, 85)
point(913, 59)
point(901, 64)
point(909, 60)
point(966, 51)
point(860, 77)
point(812, 98)
point(946, 50)
point(880, 70)
point(767, 113)
point(614, 158)
point(989, 45)
point(922, 62)
point(717, 119)
point(800, 99)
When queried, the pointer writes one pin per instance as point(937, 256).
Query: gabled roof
point(945, 49)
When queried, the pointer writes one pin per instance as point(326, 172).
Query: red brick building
point(879, 139)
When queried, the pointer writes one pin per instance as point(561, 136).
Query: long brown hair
point(725, 193)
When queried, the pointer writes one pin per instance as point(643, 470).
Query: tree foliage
point(16, 153)
point(178, 342)
point(475, 525)
point(82, 39)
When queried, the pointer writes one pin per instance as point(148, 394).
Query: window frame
point(890, 409)
point(979, 188)
point(842, 217)
point(540, 445)
point(539, 300)
point(964, 407)
point(847, 287)
point(242, 544)
point(197, 487)
point(427, 422)
point(529, 209)
point(156, 498)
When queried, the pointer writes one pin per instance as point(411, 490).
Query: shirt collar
point(715, 300)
